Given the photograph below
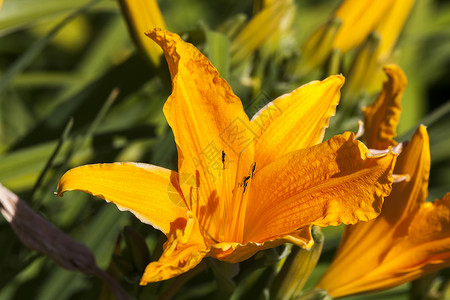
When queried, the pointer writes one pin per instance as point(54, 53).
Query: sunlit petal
point(334, 182)
point(296, 120)
point(149, 192)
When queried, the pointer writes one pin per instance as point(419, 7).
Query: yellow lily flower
point(360, 18)
point(242, 185)
point(143, 15)
point(366, 72)
point(259, 5)
point(410, 237)
point(273, 18)
point(352, 22)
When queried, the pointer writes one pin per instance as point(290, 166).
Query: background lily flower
point(410, 237)
point(267, 27)
point(366, 72)
point(242, 185)
point(352, 23)
point(141, 15)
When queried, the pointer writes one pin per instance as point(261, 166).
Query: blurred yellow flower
point(141, 16)
point(410, 237)
point(267, 24)
point(242, 185)
point(351, 24)
point(366, 73)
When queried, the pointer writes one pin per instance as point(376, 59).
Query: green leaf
point(219, 52)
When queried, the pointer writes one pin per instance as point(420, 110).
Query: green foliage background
point(74, 90)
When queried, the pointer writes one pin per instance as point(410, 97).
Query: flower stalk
point(297, 268)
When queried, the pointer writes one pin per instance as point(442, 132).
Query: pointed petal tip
point(162, 37)
point(59, 190)
point(154, 32)
point(394, 69)
point(62, 184)
point(395, 72)
point(337, 80)
point(422, 129)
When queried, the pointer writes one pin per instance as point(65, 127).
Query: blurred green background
point(74, 90)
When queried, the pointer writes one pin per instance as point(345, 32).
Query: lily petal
point(409, 195)
point(381, 118)
point(236, 252)
point(149, 192)
point(184, 249)
point(208, 122)
point(334, 182)
point(296, 120)
point(432, 222)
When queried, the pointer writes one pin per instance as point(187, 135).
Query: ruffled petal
point(210, 126)
point(184, 249)
point(381, 118)
point(398, 209)
point(431, 223)
point(358, 265)
point(428, 240)
point(151, 193)
point(337, 181)
point(296, 120)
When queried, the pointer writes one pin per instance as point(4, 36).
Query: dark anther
point(252, 169)
point(245, 182)
point(223, 158)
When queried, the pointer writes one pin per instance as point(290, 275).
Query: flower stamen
point(223, 202)
point(240, 217)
